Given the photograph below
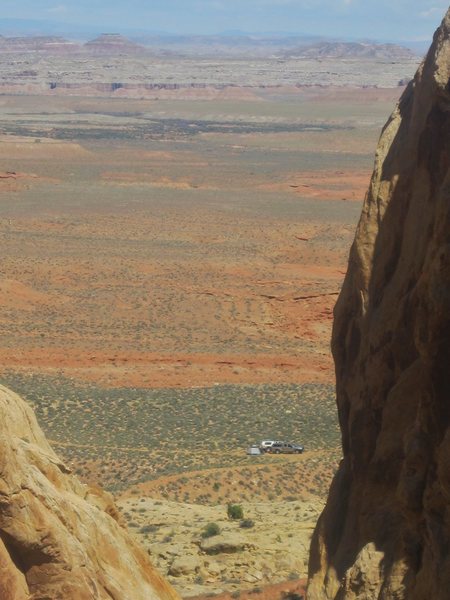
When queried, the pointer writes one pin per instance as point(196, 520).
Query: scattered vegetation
point(235, 512)
point(124, 436)
point(210, 530)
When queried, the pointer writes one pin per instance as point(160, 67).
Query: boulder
point(214, 568)
point(226, 543)
point(59, 538)
point(186, 565)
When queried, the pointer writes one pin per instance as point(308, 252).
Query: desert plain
point(170, 265)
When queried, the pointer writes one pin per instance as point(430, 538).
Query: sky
point(352, 19)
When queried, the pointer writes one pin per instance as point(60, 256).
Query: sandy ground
point(183, 261)
point(329, 185)
point(272, 550)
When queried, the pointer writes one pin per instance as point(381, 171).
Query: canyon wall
point(385, 531)
point(60, 539)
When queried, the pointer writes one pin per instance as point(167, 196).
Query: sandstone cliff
point(385, 532)
point(60, 540)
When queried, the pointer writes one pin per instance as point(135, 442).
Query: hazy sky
point(376, 19)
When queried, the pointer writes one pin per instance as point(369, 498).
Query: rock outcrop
point(110, 44)
point(59, 539)
point(351, 50)
point(385, 531)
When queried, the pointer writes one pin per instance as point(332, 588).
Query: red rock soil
point(286, 590)
point(153, 370)
point(291, 260)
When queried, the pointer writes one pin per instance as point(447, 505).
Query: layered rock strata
point(385, 531)
point(59, 539)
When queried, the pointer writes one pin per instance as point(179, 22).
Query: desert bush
point(210, 530)
point(235, 511)
point(247, 523)
point(148, 529)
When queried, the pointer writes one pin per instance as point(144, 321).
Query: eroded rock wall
point(59, 539)
point(385, 531)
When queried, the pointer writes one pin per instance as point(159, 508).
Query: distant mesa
point(106, 43)
point(47, 44)
point(291, 47)
point(352, 50)
point(113, 43)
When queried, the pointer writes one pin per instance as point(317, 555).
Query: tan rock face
point(58, 538)
point(385, 532)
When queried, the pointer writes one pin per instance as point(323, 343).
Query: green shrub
point(210, 530)
point(235, 511)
